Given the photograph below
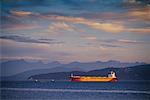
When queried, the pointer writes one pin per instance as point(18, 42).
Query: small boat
point(36, 80)
point(110, 78)
point(52, 80)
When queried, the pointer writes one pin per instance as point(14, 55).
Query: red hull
point(73, 79)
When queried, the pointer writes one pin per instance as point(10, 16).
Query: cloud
point(29, 40)
point(105, 44)
point(14, 20)
point(137, 16)
point(112, 27)
point(110, 45)
point(125, 41)
point(60, 28)
point(139, 30)
point(136, 13)
point(134, 20)
point(108, 27)
point(89, 37)
point(21, 13)
point(140, 13)
point(102, 46)
point(143, 2)
point(116, 25)
point(56, 26)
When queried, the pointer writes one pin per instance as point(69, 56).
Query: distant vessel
point(110, 78)
point(52, 80)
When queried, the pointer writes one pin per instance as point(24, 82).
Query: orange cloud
point(132, 17)
point(64, 18)
point(140, 14)
point(60, 26)
point(108, 27)
point(139, 30)
point(112, 27)
point(20, 13)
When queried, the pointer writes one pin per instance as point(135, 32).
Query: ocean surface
point(124, 90)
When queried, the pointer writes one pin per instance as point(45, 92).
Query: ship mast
point(71, 75)
point(112, 74)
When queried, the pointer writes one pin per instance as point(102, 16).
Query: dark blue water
point(75, 91)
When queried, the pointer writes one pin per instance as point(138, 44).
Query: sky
point(75, 30)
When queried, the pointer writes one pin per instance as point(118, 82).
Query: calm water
point(75, 91)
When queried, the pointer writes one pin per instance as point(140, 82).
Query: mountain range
point(15, 67)
point(55, 68)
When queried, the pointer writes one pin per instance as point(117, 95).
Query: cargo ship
point(110, 78)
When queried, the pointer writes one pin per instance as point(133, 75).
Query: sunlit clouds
point(61, 26)
point(81, 31)
point(141, 14)
point(20, 13)
point(108, 27)
point(140, 30)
